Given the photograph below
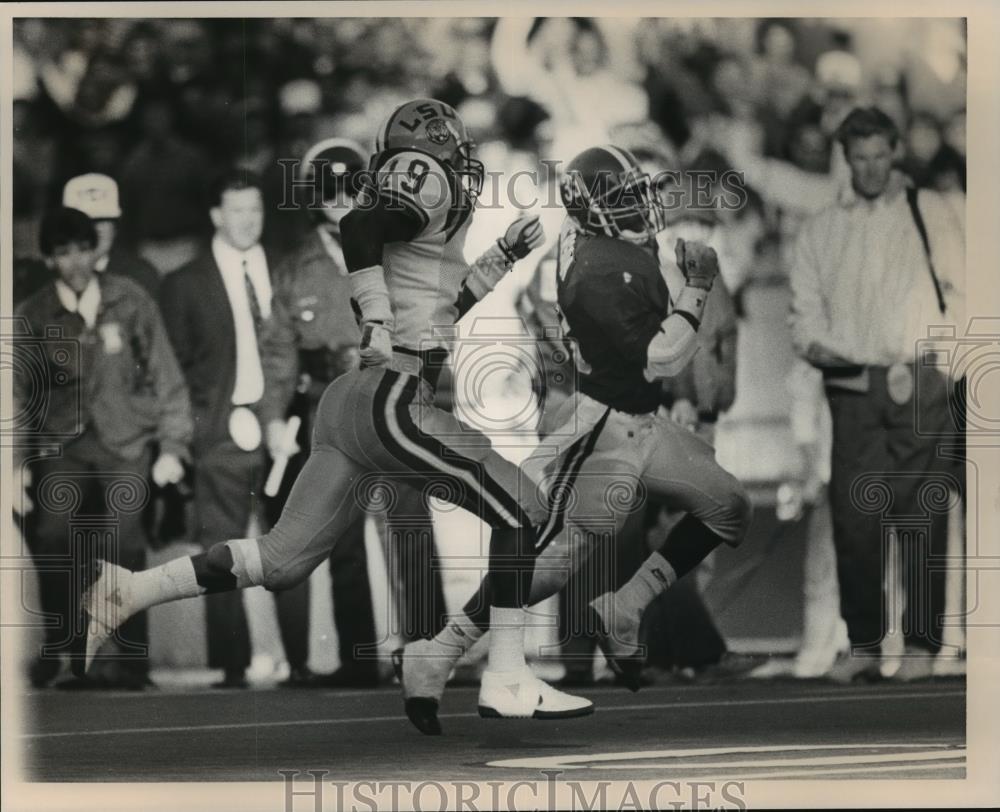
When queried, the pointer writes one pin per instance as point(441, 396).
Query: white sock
point(168, 582)
point(653, 578)
point(458, 636)
point(506, 639)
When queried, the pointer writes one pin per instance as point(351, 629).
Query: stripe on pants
point(575, 458)
point(422, 453)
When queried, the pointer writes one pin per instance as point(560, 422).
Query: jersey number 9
point(415, 176)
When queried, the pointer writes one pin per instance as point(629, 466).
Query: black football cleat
point(626, 662)
point(422, 711)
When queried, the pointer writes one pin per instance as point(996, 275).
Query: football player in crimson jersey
point(613, 446)
point(403, 247)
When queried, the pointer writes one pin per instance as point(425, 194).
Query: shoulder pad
point(418, 182)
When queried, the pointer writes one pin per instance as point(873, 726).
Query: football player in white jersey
point(403, 247)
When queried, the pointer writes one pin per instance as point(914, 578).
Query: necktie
point(252, 299)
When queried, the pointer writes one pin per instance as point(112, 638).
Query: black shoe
point(43, 670)
point(729, 666)
point(235, 679)
point(349, 676)
point(83, 684)
point(300, 677)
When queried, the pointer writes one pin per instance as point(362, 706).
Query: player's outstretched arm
point(673, 347)
point(365, 232)
point(522, 237)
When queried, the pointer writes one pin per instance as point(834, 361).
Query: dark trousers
point(888, 472)
point(89, 504)
point(227, 485)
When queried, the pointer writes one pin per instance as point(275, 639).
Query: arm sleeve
point(671, 348)
point(174, 314)
point(465, 302)
point(365, 231)
point(279, 356)
point(175, 426)
point(809, 321)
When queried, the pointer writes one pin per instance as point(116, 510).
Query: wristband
point(487, 271)
point(507, 251)
point(690, 305)
point(369, 290)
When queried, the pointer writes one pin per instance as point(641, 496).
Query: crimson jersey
point(613, 299)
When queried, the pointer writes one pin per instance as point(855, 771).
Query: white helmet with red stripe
point(606, 192)
point(435, 128)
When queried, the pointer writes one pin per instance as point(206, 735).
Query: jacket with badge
point(312, 336)
point(119, 377)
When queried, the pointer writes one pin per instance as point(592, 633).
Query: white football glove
point(167, 470)
point(279, 444)
point(522, 237)
point(376, 345)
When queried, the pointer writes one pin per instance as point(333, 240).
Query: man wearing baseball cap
point(97, 196)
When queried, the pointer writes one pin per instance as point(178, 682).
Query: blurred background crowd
point(157, 104)
point(161, 105)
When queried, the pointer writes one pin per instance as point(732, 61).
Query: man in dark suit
point(214, 309)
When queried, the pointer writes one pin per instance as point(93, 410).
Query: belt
point(708, 415)
point(426, 364)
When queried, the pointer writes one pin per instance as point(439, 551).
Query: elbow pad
point(487, 271)
point(369, 290)
point(675, 345)
point(671, 349)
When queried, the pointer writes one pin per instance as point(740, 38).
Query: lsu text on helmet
point(435, 128)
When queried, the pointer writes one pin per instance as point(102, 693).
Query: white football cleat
point(423, 670)
point(521, 695)
point(105, 605)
